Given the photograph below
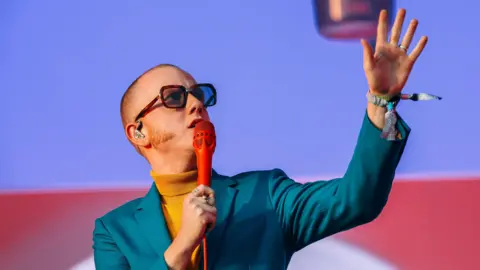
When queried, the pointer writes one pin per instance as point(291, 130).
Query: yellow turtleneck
point(173, 188)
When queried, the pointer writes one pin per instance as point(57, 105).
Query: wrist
point(376, 114)
point(178, 254)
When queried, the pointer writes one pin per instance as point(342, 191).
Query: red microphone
point(204, 142)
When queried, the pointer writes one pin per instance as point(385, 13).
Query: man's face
point(167, 129)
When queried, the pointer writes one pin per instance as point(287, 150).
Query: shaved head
point(126, 109)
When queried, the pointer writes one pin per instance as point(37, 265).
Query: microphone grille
point(204, 131)
point(204, 126)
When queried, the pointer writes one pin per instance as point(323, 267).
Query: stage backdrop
point(288, 98)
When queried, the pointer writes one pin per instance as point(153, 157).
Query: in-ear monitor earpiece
point(138, 134)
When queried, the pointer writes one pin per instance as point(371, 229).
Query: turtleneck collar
point(170, 185)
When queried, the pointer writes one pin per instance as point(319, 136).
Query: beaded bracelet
point(390, 131)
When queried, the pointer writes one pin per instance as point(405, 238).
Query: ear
point(137, 135)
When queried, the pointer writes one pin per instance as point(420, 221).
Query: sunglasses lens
point(173, 97)
point(206, 94)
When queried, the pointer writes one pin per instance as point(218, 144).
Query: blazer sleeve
point(312, 211)
point(106, 254)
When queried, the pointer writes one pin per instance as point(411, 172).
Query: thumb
point(368, 61)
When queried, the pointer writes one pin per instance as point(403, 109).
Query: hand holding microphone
point(199, 215)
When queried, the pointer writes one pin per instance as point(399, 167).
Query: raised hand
point(387, 69)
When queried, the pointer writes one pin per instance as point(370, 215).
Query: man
point(254, 220)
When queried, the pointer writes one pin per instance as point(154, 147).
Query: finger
point(368, 60)
point(407, 39)
point(382, 28)
point(418, 49)
point(210, 200)
point(210, 221)
point(203, 190)
point(397, 27)
point(207, 214)
point(201, 203)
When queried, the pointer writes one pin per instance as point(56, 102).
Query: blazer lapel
point(224, 196)
point(151, 221)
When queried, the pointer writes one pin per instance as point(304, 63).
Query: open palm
point(387, 69)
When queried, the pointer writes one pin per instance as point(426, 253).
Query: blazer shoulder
point(256, 176)
point(125, 210)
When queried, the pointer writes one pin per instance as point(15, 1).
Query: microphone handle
point(204, 167)
point(204, 164)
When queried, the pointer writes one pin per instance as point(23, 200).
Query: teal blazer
point(263, 217)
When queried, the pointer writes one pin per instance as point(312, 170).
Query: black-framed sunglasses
point(175, 96)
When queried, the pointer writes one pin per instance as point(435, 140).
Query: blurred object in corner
point(350, 19)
